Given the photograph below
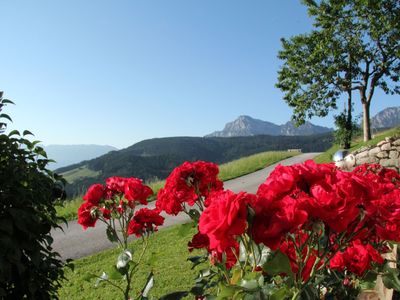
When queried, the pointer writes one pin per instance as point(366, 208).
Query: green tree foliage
point(354, 46)
point(29, 268)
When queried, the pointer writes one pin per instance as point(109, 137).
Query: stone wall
point(386, 153)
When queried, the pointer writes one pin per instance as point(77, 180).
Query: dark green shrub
point(29, 268)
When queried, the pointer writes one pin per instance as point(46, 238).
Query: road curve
point(74, 242)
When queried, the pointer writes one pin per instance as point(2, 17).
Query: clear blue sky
point(117, 72)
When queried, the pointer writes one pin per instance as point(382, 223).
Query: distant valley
point(65, 155)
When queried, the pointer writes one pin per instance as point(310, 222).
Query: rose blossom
point(357, 258)
point(136, 190)
point(94, 194)
point(87, 216)
point(225, 218)
point(188, 183)
point(145, 220)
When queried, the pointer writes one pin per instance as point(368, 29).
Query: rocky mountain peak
point(248, 126)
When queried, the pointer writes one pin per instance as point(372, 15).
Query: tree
point(29, 268)
point(354, 46)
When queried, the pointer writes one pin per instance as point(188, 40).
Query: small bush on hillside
point(29, 268)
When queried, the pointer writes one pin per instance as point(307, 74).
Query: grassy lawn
point(228, 171)
point(357, 143)
point(250, 164)
point(166, 256)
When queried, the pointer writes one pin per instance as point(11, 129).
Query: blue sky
point(118, 72)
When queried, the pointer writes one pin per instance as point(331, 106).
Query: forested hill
point(155, 158)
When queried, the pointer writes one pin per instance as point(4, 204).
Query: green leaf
point(14, 132)
point(249, 285)
point(7, 101)
point(277, 264)
point(27, 132)
point(368, 281)
point(196, 260)
point(391, 279)
point(194, 214)
point(227, 292)
point(280, 294)
point(111, 235)
point(5, 116)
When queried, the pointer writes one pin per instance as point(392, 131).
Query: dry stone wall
point(386, 153)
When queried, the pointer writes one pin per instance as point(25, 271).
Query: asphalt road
point(74, 242)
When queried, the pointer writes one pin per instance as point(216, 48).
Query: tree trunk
point(349, 121)
point(366, 122)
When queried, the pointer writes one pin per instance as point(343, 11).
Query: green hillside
point(155, 158)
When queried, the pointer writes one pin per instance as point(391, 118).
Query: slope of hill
point(247, 126)
point(387, 118)
point(155, 158)
point(65, 155)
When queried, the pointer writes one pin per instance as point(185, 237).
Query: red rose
point(335, 200)
point(115, 185)
point(168, 201)
point(87, 216)
point(145, 220)
point(225, 218)
point(337, 262)
point(281, 182)
point(199, 241)
point(188, 183)
point(273, 220)
point(357, 258)
point(135, 190)
point(206, 177)
point(94, 194)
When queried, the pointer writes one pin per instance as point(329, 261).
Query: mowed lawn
point(166, 256)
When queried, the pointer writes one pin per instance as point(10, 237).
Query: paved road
point(74, 242)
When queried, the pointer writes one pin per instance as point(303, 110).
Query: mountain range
point(387, 118)
point(248, 126)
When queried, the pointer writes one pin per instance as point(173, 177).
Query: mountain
point(156, 158)
point(387, 118)
point(65, 155)
point(247, 126)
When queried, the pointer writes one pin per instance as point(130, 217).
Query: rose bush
point(115, 205)
point(311, 231)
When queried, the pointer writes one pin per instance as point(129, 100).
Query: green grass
point(228, 171)
point(250, 164)
point(166, 256)
point(357, 143)
point(78, 173)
